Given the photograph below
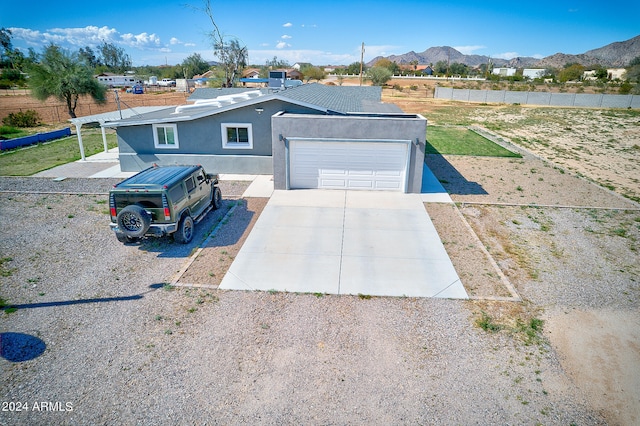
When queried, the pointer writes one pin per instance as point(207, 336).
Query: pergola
point(108, 116)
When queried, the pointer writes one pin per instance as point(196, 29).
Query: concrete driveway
point(345, 242)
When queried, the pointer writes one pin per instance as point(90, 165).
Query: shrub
point(28, 118)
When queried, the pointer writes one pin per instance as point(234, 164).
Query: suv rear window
point(150, 201)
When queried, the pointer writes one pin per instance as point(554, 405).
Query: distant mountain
point(617, 54)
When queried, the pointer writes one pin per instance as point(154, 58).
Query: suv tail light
point(112, 206)
point(165, 206)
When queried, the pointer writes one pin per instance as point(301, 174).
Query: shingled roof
point(343, 99)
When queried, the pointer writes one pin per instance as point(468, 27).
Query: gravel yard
point(111, 341)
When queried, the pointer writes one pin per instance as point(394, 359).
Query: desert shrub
point(28, 118)
point(625, 88)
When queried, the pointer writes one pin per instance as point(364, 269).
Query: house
point(309, 136)
point(504, 72)
point(616, 73)
point(533, 73)
point(299, 65)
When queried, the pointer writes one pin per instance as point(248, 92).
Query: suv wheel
point(134, 221)
point(216, 198)
point(184, 234)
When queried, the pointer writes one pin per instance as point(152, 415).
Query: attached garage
point(349, 164)
point(379, 152)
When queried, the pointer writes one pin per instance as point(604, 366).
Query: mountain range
point(617, 54)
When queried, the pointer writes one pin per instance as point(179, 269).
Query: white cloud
point(506, 55)
point(282, 45)
point(174, 41)
point(87, 36)
point(288, 24)
point(468, 50)
point(285, 37)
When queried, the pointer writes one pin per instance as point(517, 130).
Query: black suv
point(160, 201)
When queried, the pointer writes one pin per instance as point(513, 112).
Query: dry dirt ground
point(533, 239)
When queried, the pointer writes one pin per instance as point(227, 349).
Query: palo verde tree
point(232, 55)
point(379, 75)
point(64, 76)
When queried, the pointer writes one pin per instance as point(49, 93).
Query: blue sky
point(323, 32)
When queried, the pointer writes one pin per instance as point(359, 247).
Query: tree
point(232, 56)
point(633, 71)
point(313, 73)
point(194, 64)
point(276, 63)
point(86, 54)
point(571, 72)
point(114, 57)
point(441, 67)
point(379, 75)
point(354, 69)
point(64, 76)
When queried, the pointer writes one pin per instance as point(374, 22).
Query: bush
point(28, 118)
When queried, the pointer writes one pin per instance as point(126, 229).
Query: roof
point(157, 177)
point(326, 99)
point(116, 115)
point(343, 99)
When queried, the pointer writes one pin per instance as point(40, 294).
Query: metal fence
point(586, 100)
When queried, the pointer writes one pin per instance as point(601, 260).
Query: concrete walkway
point(345, 242)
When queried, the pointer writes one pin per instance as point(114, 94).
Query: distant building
point(504, 72)
point(616, 73)
point(533, 73)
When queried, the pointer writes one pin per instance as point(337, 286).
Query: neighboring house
point(504, 72)
point(533, 73)
point(616, 73)
point(299, 65)
point(251, 73)
point(310, 136)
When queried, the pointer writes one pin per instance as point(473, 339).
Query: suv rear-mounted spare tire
point(134, 221)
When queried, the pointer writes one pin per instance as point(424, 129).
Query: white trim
point(236, 145)
point(156, 142)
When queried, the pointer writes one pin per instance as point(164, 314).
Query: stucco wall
point(371, 126)
point(200, 142)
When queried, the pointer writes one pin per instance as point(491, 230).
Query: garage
point(367, 152)
point(349, 164)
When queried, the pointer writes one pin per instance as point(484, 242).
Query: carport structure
point(105, 117)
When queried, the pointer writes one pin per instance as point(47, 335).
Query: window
point(165, 135)
point(190, 184)
point(237, 136)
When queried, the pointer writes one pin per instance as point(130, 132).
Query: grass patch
point(462, 141)
point(36, 158)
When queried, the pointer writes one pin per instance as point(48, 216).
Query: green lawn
point(36, 158)
point(462, 141)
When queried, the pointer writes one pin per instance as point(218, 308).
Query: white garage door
point(348, 165)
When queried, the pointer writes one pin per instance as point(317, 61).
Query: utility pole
point(361, 62)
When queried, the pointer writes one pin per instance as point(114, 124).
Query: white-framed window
point(237, 136)
point(165, 136)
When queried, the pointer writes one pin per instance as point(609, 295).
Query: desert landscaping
point(546, 246)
